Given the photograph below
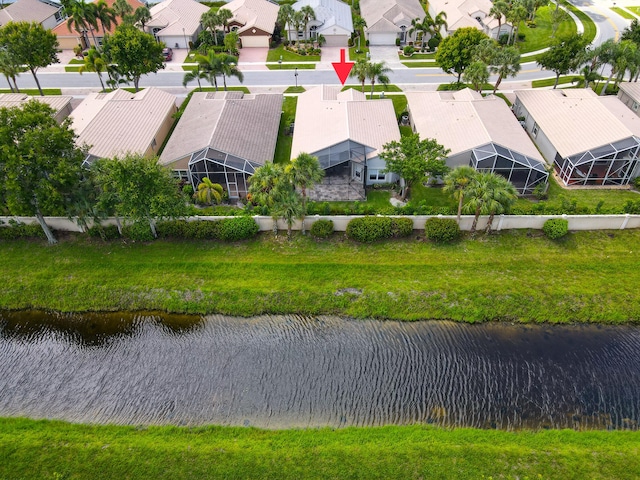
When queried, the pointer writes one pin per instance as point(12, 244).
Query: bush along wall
point(16, 230)
point(555, 228)
point(441, 230)
point(371, 229)
point(227, 229)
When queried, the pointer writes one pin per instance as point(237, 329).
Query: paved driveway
point(387, 54)
point(253, 58)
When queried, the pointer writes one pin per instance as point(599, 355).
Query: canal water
point(290, 371)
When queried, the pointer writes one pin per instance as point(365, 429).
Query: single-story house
point(479, 132)
point(333, 21)
point(176, 22)
point(69, 38)
point(45, 12)
point(352, 134)
point(469, 13)
point(390, 19)
point(120, 122)
point(61, 104)
point(254, 20)
point(629, 94)
point(224, 136)
point(590, 140)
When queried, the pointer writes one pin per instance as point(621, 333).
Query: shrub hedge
point(227, 229)
point(555, 228)
point(138, 232)
point(441, 230)
point(239, 228)
point(322, 228)
point(21, 230)
point(105, 232)
point(371, 229)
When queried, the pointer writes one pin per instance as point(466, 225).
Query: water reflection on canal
point(324, 371)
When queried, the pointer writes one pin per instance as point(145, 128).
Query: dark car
point(167, 53)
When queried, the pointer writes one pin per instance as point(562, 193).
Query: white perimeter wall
point(502, 222)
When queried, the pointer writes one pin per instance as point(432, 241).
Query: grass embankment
point(285, 137)
point(515, 276)
point(623, 13)
point(281, 53)
point(43, 449)
point(291, 66)
point(541, 35)
point(34, 91)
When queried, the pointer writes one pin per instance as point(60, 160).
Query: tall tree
point(517, 13)
point(456, 52)
point(308, 14)
point(94, 62)
point(224, 15)
point(359, 24)
point(488, 194)
point(196, 74)
point(80, 17)
point(211, 65)
point(289, 207)
point(456, 183)
point(266, 187)
point(141, 16)
point(40, 165)
point(31, 45)
point(285, 17)
point(140, 189)
point(359, 70)
point(498, 10)
point(122, 9)
point(208, 193)
point(210, 21)
point(10, 68)
point(304, 172)
point(564, 55)
point(499, 198)
point(377, 72)
point(229, 68)
point(413, 159)
point(105, 15)
point(477, 74)
point(506, 63)
point(439, 22)
point(632, 32)
point(231, 43)
point(134, 52)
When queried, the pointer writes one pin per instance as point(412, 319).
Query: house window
point(181, 174)
point(534, 130)
point(635, 106)
point(377, 175)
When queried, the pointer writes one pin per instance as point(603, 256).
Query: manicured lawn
point(432, 196)
point(283, 147)
point(518, 276)
point(292, 66)
point(353, 56)
point(276, 53)
point(540, 36)
point(376, 87)
point(34, 91)
point(548, 82)
point(634, 9)
point(590, 29)
point(623, 13)
point(419, 64)
point(295, 90)
point(418, 56)
point(57, 450)
point(76, 61)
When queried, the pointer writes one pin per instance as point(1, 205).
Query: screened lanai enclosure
point(229, 171)
point(523, 172)
point(612, 164)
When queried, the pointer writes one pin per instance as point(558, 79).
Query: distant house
point(479, 132)
point(68, 38)
point(346, 132)
point(469, 13)
point(116, 123)
point(629, 94)
point(61, 104)
point(176, 22)
point(224, 136)
point(590, 140)
point(45, 12)
point(333, 21)
point(254, 20)
point(390, 19)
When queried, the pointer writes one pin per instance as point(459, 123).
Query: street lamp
point(296, 75)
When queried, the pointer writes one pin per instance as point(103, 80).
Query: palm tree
point(105, 15)
point(210, 21)
point(516, 14)
point(456, 183)
point(477, 74)
point(78, 18)
point(377, 72)
point(439, 23)
point(93, 62)
point(298, 20)
point(285, 17)
point(122, 8)
point(224, 15)
point(420, 26)
point(10, 68)
point(488, 194)
point(195, 74)
point(307, 15)
point(141, 16)
point(229, 68)
point(506, 63)
point(498, 10)
point(210, 65)
point(499, 198)
point(304, 171)
point(359, 24)
point(208, 193)
point(289, 207)
point(265, 187)
point(359, 70)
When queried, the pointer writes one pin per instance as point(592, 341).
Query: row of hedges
point(370, 229)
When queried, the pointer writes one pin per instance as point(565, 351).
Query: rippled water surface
point(297, 372)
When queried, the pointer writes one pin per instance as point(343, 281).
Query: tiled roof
point(28, 11)
point(380, 15)
point(245, 126)
point(177, 17)
point(261, 14)
point(57, 102)
point(63, 30)
point(332, 13)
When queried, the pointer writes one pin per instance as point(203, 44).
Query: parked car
point(167, 53)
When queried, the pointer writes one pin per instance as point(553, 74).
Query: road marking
point(611, 22)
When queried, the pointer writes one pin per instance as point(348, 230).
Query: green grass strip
point(513, 276)
point(624, 13)
point(295, 90)
point(35, 91)
point(635, 10)
point(419, 64)
point(291, 66)
point(588, 24)
point(58, 450)
point(376, 87)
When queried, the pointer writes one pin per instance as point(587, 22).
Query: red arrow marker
point(342, 68)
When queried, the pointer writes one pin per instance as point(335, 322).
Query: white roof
point(57, 102)
point(461, 121)
point(245, 126)
point(28, 11)
point(120, 122)
point(175, 15)
point(577, 120)
point(261, 14)
point(385, 15)
point(461, 13)
point(331, 13)
point(343, 116)
point(632, 89)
